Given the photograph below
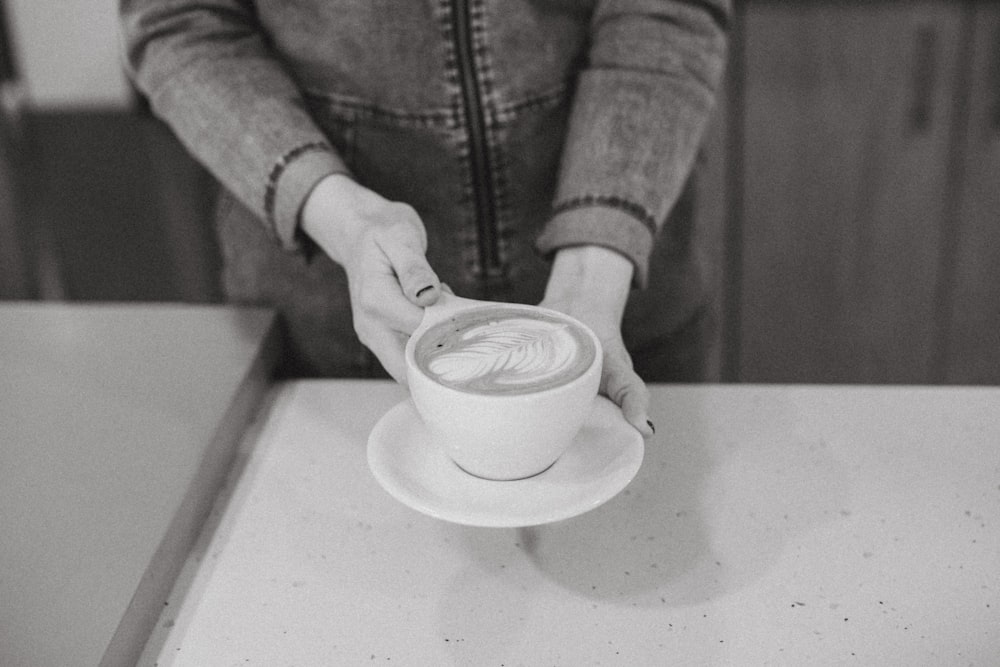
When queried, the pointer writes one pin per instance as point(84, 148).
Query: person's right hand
point(381, 244)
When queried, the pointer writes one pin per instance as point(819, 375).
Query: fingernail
point(424, 289)
point(651, 427)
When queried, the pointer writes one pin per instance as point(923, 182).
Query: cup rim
point(413, 368)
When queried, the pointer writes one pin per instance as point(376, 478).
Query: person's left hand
point(591, 284)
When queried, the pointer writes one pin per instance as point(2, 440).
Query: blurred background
point(850, 185)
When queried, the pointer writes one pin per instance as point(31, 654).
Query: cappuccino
point(504, 350)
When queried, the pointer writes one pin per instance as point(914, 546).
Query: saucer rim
point(631, 445)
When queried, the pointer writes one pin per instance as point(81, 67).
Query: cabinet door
point(713, 217)
point(14, 282)
point(973, 354)
point(127, 209)
point(847, 127)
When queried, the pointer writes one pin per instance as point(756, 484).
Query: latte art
point(522, 352)
point(504, 351)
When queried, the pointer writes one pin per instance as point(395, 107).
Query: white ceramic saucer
point(603, 459)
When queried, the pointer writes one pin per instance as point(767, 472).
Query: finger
point(624, 387)
point(635, 407)
point(417, 279)
point(427, 295)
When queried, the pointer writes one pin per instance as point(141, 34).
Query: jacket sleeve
point(641, 106)
point(208, 72)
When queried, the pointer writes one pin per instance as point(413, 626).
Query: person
point(373, 151)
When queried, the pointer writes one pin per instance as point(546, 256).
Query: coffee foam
point(505, 352)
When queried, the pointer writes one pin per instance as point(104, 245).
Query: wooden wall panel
point(973, 352)
point(128, 211)
point(713, 215)
point(847, 124)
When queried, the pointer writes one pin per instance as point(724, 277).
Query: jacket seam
point(446, 117)
point(278, 169)
point(354, 108)
point(637, 211)
point(503, 113)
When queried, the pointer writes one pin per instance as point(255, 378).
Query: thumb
point(623, 386)
point(419, 282)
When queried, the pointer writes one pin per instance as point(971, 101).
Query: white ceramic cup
point(501, 436)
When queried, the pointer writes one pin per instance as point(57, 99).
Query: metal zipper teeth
point(482, 184)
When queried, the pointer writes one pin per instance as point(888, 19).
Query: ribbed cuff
point(601, 225)
point(291, 180)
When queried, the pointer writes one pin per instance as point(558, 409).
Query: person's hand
point(591, 283)
point(381, 244)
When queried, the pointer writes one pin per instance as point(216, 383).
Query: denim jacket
point(513, 127)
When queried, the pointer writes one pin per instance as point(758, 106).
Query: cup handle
point(447, 305)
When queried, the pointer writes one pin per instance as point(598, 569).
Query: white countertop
point(118, 423)
point(769, 525)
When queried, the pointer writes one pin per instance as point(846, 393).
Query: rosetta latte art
point(508, 355)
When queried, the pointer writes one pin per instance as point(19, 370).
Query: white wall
point(68, 53)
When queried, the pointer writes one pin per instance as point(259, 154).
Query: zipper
point(475, 120)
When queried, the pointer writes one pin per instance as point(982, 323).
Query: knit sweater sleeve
point(208, 72)
point(642, 103)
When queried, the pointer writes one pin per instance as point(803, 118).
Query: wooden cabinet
point(15, 282)
point(855, 263)
point(124, 211)
point(972, 349)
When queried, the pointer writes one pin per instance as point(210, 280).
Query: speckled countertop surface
point(769, 525)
